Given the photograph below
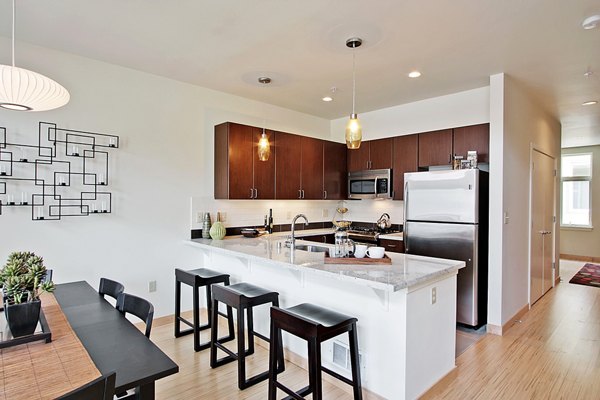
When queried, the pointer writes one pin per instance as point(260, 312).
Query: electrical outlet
point(223, 216)
point(325, 213)
point(433, 295)
point(151, 286)
point(199, 216)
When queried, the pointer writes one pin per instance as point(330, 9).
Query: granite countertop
point(405, 271)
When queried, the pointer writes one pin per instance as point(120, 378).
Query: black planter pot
point(22, 318)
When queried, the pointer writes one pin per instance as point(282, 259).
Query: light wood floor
point(554, 353)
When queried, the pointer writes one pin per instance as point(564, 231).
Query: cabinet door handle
point(302, 193)
point(251, 193)
point(299, 193)
point(325, 194)
point(255, 193)
point(391, 245)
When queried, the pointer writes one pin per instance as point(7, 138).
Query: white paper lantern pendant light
point(24, 90)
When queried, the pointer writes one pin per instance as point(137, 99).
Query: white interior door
point(542, 225)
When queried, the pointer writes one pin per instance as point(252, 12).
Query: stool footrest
point(302, 393)
point(258, 335)
point(337, 376)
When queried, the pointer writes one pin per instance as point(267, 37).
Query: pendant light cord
point(13, 33)
point(353, 76)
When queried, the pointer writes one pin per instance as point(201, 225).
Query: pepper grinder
point(206, 224)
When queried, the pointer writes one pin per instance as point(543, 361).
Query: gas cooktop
point(368, 234)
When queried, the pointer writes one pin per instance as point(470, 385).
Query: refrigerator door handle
point(405, 226)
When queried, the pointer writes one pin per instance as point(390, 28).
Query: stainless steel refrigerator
point(446, 216)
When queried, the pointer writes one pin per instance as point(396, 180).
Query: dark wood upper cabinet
point(299, 167)
point(288, 163)
point(264, 171)
point(358, 159)
point(233, 162)
point(372, 154)
point(435, 148)
point(380, 153)
point(475, 137)
point(406, 154)
point(312, 168)
point(335, 177)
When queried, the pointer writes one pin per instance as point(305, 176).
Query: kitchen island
point(406, 311)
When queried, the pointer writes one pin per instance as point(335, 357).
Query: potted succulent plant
point(23, 279)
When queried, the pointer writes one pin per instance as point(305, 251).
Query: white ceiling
point(225, 45)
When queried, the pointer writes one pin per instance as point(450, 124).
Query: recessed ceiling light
point(265, 80)
point(591, 22)
point(414, 74)
point(327, 98)
point(589, 103)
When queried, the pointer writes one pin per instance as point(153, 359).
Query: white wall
point(470, 107)
point(521, 123)
point(166, 157)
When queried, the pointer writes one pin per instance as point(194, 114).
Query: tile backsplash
point(252, 212)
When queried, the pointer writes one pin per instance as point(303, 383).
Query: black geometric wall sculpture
point(64, 175)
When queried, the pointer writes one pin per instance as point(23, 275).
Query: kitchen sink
point(312, 248)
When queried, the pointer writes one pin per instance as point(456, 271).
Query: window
point(576, 182)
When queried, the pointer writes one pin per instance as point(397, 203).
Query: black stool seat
point(320, 316)
point(197, 278)
point(315, 325)
point(242, 297)
point(253, 293)
point(192, 276)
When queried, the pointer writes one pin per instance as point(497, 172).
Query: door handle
point(299, 193)
point(251, 193)
point(325, 194)
point(302, 193)
point(255, 193)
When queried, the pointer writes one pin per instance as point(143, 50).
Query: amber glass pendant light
point(264, 147)
point(353, 128)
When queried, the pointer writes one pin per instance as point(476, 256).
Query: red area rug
point(588, 275)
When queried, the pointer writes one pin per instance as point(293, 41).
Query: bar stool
point(243, 297)
point(315, 325)
point(198, 278)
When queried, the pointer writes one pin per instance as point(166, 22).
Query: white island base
point(406, 311)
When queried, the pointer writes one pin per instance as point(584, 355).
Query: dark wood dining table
point(113, 343)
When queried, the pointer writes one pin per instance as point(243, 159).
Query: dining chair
point(48, 276)
point(102, 388)
point(111, 288)
point(141, 308)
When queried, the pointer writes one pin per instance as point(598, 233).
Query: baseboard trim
point(575, 257)
point(501, 330)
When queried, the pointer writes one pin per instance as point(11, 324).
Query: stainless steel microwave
point(370, 184)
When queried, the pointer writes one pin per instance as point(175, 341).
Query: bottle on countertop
point(270, 228)
point(206, 225)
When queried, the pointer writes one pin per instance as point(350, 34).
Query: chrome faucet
point(291, 241)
